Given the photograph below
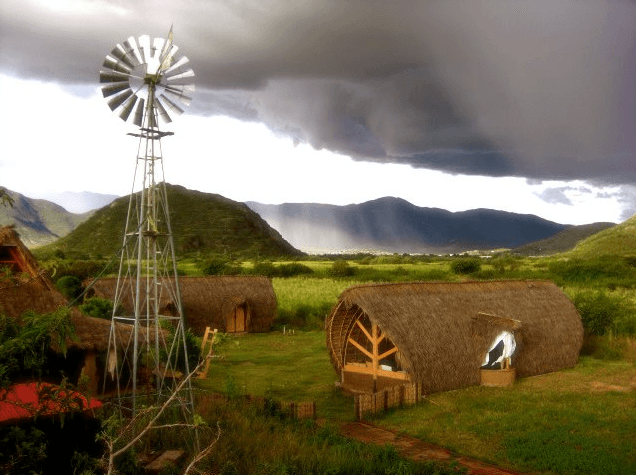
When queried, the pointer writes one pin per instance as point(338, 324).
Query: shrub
point(601, 312)
point(294, 269)
point(99, 307)
point(214, 266)
point(70, 286)
point(466, 265)
point(341, 269)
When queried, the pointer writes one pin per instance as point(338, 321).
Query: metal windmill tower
point(144, 81)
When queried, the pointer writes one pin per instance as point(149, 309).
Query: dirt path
point(415, 449)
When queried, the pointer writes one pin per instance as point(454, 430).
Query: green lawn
point(287, 367)
point(576, 421)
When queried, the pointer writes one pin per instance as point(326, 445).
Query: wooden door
point(230, 324)
point(239, 318)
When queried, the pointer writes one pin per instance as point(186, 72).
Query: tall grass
point(266, 443)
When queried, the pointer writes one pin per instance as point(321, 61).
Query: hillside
point(619, 240)
point(562, 241)
point(395, 225)
point(200, 221)
point(38, 222)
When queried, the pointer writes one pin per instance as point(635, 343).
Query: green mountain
point(201, 222)
point(619, 240)
point(38, 222)
point(562, 241)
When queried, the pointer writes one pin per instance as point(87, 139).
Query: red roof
point(27, 400)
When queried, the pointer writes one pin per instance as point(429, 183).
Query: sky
point(528, 107)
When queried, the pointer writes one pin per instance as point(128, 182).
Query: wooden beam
point(352, 368)
point(360, 347)
point(388, 353)
point(364, 330)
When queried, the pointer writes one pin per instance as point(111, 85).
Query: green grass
point(559, 423)
point(291, 367)
point(556, 423)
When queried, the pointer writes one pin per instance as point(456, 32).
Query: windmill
point(143, 81)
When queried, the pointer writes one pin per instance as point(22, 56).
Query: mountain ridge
point(395, 225)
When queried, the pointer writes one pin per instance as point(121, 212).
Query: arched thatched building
point(232, 304)
point(437, 334)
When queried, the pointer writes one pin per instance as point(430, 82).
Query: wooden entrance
point(237, 320)
point(375, 347)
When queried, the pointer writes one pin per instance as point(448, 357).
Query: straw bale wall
point(441, 337)
point(381, 401)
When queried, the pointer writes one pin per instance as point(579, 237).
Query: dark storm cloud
point(542, 89)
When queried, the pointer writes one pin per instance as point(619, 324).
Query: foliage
point(341, 269)
point(99, 307)
point(22, 450)
point(295, 447)
point(293, 269)
point(602, 312)
point(70, 286)
point(598, 271)
point(466, 265)
point(24, 347)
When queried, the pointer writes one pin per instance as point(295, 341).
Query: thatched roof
point(29, 288)
point(443, 330)
point(206, 300)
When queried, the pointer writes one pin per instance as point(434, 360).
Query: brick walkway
point(414, 449)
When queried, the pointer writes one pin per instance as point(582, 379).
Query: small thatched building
point(437, 334)
point(24, 286)
point(231, 304)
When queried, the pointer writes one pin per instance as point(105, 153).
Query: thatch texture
point(210, 301)
point(443, 330)
point(29, 288)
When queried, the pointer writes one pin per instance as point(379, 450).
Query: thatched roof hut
point(437, 334)
point(24, 286)
point(229, 303)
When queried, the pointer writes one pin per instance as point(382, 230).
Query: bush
point(601, 312)
point(70, 286)
point(100, 308)
point(466, 265)
point(341, 269)
point(294, 269)
point(214, 267)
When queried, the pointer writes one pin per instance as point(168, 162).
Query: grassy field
point(575, 421)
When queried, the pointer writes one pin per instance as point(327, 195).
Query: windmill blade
point(116, 65)
point(115, 88)
point(119, 53)
point(179, 96)
point(183, 60)
point(132, 51)
point(172, 106)
point(113, 76)
point(186, 74)
point(180, 88)
point(128, 107)
point(157, 47)
point(139, 113)
point(118, 100)
point(144, 48)
point(162, 111)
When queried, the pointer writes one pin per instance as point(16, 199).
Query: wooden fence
point(394, 396)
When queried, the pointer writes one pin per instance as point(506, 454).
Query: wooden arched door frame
point(375, 337)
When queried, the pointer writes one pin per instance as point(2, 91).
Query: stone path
point(414, 449)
